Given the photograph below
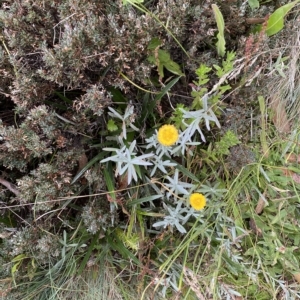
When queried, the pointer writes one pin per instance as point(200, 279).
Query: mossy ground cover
point(149, 150)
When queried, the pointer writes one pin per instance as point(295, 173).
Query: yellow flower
point(197, 201)
point(167, 135)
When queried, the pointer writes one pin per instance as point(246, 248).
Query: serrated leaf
point(14, 268)
point(111, 125)
point(31, 269)
point(276, 20)
point(149, 214)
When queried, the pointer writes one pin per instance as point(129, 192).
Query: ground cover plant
point(149, 149)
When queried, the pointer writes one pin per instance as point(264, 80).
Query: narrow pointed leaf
point(221, 26)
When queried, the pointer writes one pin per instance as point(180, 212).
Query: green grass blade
point(166, 89)
point(142, 200)
point(108, 175)
point(88, 254)
point(185, 171)
point(88, 165)
point(117, 245)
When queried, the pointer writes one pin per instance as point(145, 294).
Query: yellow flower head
point(197, 201)
point(167, 135)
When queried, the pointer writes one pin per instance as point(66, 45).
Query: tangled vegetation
point(149, 149)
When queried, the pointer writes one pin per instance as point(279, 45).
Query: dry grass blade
point(284, 86)
point(191, 279)
point(280, 117)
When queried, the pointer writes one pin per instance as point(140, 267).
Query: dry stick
point(255, 20)
point(10, 186)
point(79, 196)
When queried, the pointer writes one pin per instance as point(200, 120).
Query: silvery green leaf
point(174, 217)
point(177, 187)
point(126, 119)
point(110, 149)
point(180, 228)
point(115, 114)
point(193, 120)
point(184, 146)
point(163, 224)
point(160, 164)
point(126, 160)
point(212, 190)
point(128, 112)
point(133, 127)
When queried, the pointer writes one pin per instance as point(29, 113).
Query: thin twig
point(10, 186)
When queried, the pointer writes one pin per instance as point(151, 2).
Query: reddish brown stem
point(255, 20)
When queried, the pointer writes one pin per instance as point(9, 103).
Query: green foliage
point(125, 2)
point(111, 125)
point(227, 64)
point(202, 74)
point(162, 59)
point(17, 262)
point(276, 20)
point(221, 26)
point(130, 241)
point(200, 90)
point(253, 4)
point(271, 249)
point(227, 141)
point(177, 115)
point(89, 185)
point(154, 44)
